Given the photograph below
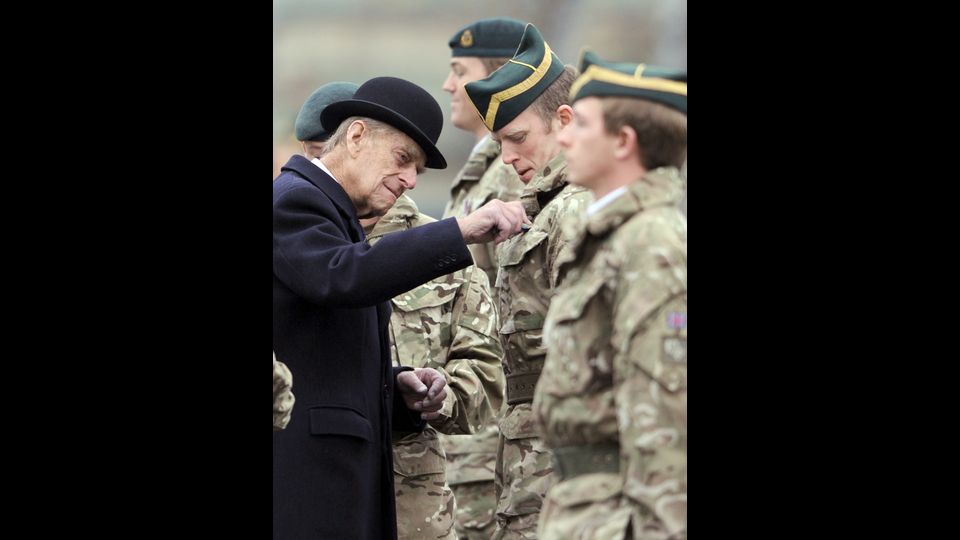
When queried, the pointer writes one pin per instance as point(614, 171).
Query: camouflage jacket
point(447, 324)
point(616, 368)
point(482, 178)
point(282, 394)
point(525, 283)
point(471, 458)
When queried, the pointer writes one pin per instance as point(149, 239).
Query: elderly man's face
point(387, 165)
point(527, 144)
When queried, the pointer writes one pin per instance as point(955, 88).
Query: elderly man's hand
point(495, 221)
point(424, 390)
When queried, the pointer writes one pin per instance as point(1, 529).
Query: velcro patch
point(675, 349)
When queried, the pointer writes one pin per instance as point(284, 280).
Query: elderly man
point(448, 324)
point(332, 465)
point(524, 105)
point(612, 399)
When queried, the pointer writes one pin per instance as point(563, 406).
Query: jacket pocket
point(418, 455)
point(332, 420)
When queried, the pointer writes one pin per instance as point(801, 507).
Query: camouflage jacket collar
point(545, 185)
point(477, 163)
point(399, 218)
point(659, 187)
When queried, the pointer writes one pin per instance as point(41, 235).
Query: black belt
point(520, 387)
point(571, 461)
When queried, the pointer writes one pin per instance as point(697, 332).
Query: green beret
point(600, 78)
point(497, 38)
point(508, 91)
point(307, 126)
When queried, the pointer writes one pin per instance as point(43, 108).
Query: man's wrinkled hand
point(424, 390)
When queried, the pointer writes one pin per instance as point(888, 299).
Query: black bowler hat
point(401, 104)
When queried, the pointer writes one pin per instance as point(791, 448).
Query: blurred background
point(318, 41)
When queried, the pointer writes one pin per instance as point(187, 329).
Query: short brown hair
point(661, 131)
point(493, 64)
point(557, 94)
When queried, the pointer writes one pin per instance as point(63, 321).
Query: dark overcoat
point(332, 465)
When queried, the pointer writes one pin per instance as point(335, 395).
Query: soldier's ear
point(626, 144)
point(564, 114)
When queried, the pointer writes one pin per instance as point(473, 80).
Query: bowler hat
point(399, 103)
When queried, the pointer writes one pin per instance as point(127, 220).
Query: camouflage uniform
point(471, 458)
point(482, 178)
point(282, 394)
point(525, 283)
point(447, 324)
point(612, 400)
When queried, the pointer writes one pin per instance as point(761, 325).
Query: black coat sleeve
point(314, 257)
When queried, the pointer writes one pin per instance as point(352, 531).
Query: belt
point(520, 387)
point(571, 461)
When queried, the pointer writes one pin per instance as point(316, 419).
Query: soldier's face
point(313, 149)
point(463, 70)
point(528, 144)
point(386, 165)
point(588, 148)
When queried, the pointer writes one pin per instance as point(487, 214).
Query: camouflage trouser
point(425, 503)
point(425, 507)
point(593, 507)
point(524, 474)
point(589, 506)
point(476, 503)
point(516, 527)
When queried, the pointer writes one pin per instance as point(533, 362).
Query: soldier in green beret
point(477, 50)
point(307, 127)
point(524, 104)
point(612, 400)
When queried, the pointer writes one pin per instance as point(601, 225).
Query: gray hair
point(376, 127)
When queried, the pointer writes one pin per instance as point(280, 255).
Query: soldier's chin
point(572, 175)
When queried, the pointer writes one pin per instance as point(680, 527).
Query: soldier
point(307, 127)
point(612, 400)
point(282, 394)
point(448, 324)
point(478, 49)
point(524, 105)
